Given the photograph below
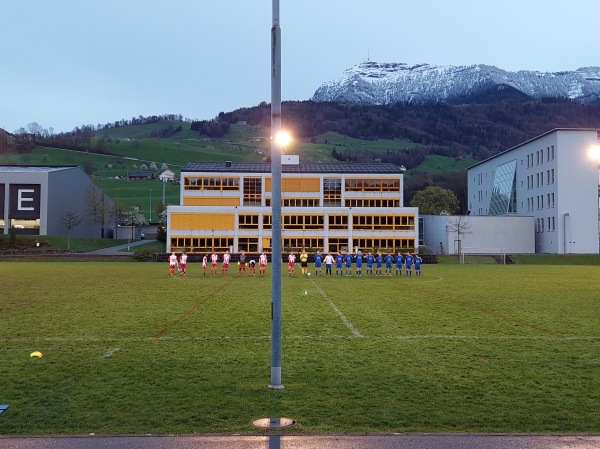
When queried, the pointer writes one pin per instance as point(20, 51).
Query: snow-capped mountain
point(377, 83)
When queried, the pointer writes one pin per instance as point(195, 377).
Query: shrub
point(144, 255)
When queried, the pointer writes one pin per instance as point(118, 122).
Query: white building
point(553, 178)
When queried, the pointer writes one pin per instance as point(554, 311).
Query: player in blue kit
point(359, 261)
point(370, 260)
point(389, 259)
point(348, 260)
point(339, 260)
point(318, 263)
point(408, 261)
point(399, 260)
point(417, 260)
point(378, 264)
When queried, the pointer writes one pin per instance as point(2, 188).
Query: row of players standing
point(343, 263)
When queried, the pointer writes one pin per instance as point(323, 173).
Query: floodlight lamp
point(283, 138)
point(594, 153)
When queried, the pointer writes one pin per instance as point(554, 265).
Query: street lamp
point(275, 201)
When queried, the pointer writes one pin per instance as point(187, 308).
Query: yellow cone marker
point(37, 354)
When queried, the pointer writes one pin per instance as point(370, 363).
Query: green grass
point(51, 243)
point(129, 349)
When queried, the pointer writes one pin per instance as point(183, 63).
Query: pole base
point(274, 423)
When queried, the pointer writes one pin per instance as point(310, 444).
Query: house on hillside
point(139, 175)
point(167, 175)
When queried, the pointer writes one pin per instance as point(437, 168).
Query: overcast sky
point(67, 63)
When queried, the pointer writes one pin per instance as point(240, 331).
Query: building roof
point(531, 140)
point(227, 167)
point(33, 168)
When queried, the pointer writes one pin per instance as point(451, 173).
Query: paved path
point(402, 441)
point(118, 250)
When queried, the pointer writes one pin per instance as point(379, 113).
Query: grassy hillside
point(131, 147)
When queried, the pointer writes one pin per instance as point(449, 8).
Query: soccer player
point(328, 264)
point(417, 260)
point(242, 263)
point(339, 260)
point(226, 262)
point(182, 263)
point(204, 263)
point(172, 263)
point(370, 260)
point(318, 263)
point(379, 263)
point(262, 263)
point(408, 261)
point(252, 267)
point(399, 260)
point(291, 263)
point(304, 261)
point(348, 260)
point(359, 261)
point(389, 259)
point(214, 258)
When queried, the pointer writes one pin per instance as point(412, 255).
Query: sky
point(68, 63)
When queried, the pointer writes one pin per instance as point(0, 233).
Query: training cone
point(37, 354)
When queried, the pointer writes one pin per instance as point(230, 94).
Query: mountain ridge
point(388, 83)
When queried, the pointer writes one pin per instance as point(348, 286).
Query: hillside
point(435, 143)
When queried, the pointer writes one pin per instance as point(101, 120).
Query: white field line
point(29, 341)
point(110, 352)
point(343, 317)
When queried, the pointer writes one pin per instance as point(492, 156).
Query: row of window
point(537, 157)
point(312, 222)
point(547, 224)
point(211, 183)
point(292, 184)
point(251, 244)
point(539, 179)
point(316, 202)
point(538, 201)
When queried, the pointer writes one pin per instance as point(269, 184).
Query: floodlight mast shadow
point(275, 201)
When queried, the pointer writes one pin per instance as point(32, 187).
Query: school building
point(554, 178)
point(329, 207)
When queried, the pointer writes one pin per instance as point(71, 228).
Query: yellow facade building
point(329, 207)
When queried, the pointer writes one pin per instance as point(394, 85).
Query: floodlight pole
point(275, 201)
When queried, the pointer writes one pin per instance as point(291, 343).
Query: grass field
point(129, 349)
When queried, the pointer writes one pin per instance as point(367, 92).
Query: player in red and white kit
point(182, 263)
point(262, 263)
point(172, 263)
point(291, 262)
point(225, 264)
point(214, 258)
point(204, 263)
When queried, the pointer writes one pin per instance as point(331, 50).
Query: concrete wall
point(514, 235)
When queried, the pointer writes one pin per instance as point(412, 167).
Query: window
point(332, 192)
point(363, 202)
point(338, 222)
point(208, 183)
point(303, 222)
point(248, 221)
point(252, 191)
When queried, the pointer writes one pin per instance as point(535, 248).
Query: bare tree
point(94, 204)
point(460, 226)
point(70, 220)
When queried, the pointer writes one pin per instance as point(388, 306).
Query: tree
point(95, 206)
point(460, 226)
point(435, 201)
point(135, 217)
point(70, 219)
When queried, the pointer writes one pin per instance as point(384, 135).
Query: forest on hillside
point(477, 130)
